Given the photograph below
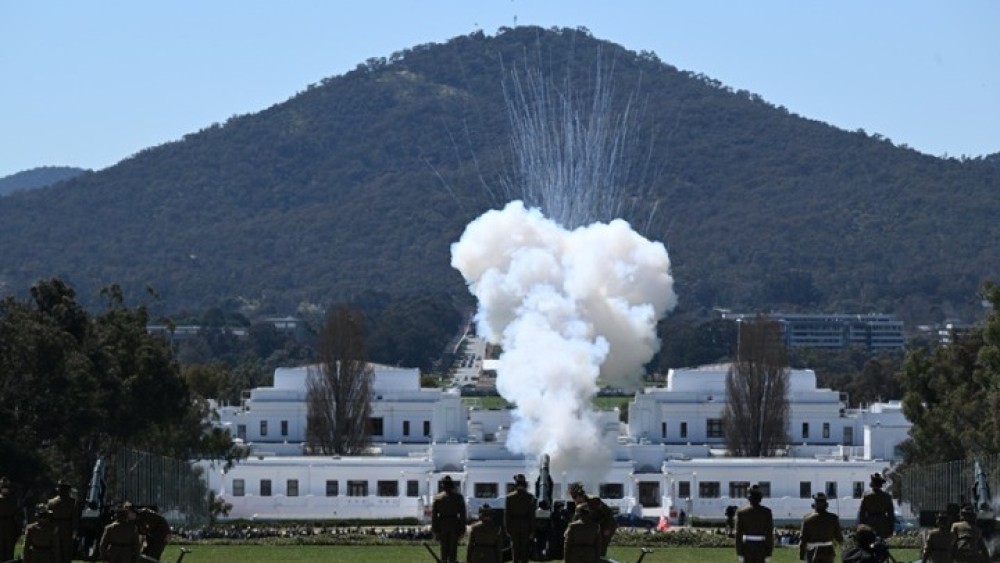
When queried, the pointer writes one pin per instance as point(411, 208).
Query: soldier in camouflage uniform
point(66, 518)
point(120, 542)
point(519, 519)
point(485, 539)
point(939, 547)
point(10, 520)
point(820, 531)
point(41, 538)
point(877, 510)
point(583, 537)
point(969, 544)
point(754, 530)
point(448, 519)
point(599, 512)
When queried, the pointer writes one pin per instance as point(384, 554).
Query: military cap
point(520, 480)
point(755, 492)
point(447, 483)
point(877, 478)
point(576, 489)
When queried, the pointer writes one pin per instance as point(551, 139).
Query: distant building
point(874, 331)
point(669, 457)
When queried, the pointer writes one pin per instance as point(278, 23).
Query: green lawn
point(417, 553)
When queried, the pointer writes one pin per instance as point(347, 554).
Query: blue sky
point(88, 83)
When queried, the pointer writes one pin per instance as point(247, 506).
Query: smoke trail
point(568, 301)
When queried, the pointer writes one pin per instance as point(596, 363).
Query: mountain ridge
point(364, 180)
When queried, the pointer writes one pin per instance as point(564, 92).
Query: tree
point(756, 414)
point(338, 396)
point(952, 394)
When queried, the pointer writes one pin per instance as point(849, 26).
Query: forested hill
point(362, 183)
point(37, 178)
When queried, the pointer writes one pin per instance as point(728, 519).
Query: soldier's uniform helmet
point(576, 489)
point(820, 500)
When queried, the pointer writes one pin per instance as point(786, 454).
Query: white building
point(670, 457)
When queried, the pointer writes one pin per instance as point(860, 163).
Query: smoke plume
point(567, 307)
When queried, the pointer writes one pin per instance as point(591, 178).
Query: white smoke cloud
point(567, 307)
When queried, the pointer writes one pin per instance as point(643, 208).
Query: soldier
point(485, 539)
point(10, 520)
point(41, 538)
point(153, 527)
point(66, 518)
point(820, 531)
point(120, 542)
point(448, 519)
point(876, 509)
point(519, 519)
point(754, 530)
point(939, 547)
point(969, 546)
point(599, 511)
point(583, 537)
point(867, 548)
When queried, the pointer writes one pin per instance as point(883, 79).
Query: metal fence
point(176, 487)
point(933, 487)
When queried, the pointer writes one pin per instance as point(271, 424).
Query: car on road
point(633, 521)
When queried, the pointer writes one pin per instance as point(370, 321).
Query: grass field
point(417, 553)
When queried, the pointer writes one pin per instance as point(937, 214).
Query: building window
point(714, 427)
point(684, 489)
point(858, 489)
point(284, 428)
point(739, 489)
point(765, 488)
point(427, 428)
point(486, 490)
point(292, 488)
point(375, 424)
point(406, 428)
point(357, 488)
point(684, 430)
point(831, 489)
point(387, 488)
point(663, 429)
point(239, 487)
point(241, 432)
point(709, 489)
point(805, 429)
point(826, 429)
point(265, 487)
point(805, 489)
point(848, 436)
point(611, 490)
point(412, 488)
point(332, 488)
point(263, 428)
